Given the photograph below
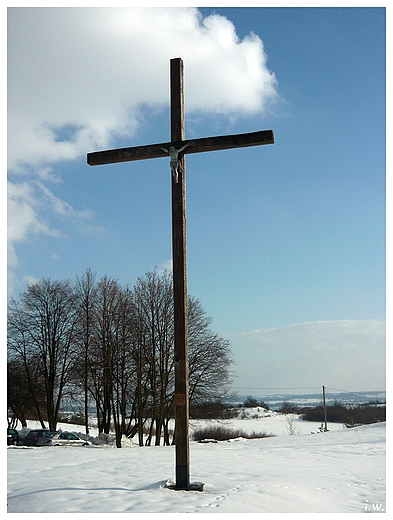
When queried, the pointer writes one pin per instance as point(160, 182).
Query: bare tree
point(153, 297)
point(20, 401)
point(209, 354)
point(138, 399)
point(20, 355)
point(101, 353)
point(115, 346)
point(123, 366)
point(209, 357)
point(45, 321)
point(86, 292)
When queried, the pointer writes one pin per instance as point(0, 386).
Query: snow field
point(340, 471)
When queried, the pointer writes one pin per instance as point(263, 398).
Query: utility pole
point(324, 407)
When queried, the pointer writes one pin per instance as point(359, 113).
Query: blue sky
point(285, 242)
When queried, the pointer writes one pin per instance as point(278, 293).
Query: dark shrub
point(288, 408)
point(215, 410)
point(365, 414)
point(250, 402)
point(222, 433)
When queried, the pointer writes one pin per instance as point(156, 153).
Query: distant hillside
point(275, 401)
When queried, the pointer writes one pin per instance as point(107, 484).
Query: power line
point(338, 390)
point(276, 388)
point(344, 391)
point(292, 388)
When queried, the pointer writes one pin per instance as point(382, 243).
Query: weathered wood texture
point(152, 151)
point(180, 285)
point(204, 144)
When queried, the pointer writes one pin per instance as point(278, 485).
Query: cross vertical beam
point(176, 149)
point(180, 283)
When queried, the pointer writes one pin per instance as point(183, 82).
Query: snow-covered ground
point(339, 471)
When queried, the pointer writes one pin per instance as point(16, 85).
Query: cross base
point(176, 149)
point(193, 486)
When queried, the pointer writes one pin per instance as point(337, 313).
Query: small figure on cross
point(175, 163)
point(204, 144)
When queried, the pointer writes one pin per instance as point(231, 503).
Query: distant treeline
point(350, 415)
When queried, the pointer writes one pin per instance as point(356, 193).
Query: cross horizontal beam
point(204, 144)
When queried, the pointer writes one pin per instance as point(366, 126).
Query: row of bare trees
point(111, 347)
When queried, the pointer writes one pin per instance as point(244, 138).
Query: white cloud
point(166, 267)
point(343, 354)
point(23, 212)
point(79, 77)
point(27, 201)
point(30, 280)
point(61, 207)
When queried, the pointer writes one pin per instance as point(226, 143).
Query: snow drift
point(339, 471)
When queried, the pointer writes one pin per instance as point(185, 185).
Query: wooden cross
point(176, 149)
